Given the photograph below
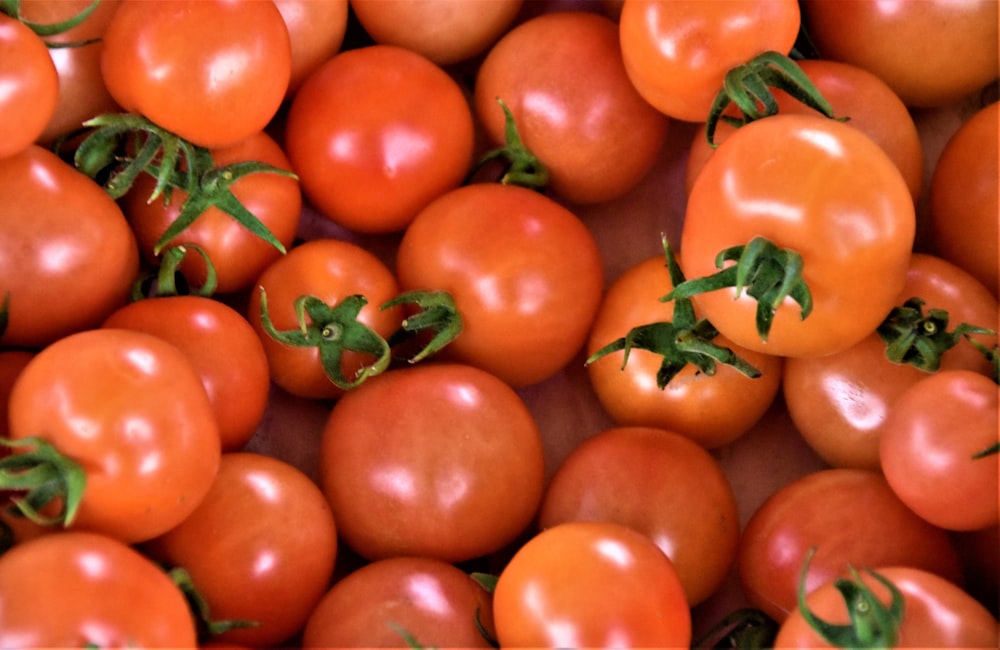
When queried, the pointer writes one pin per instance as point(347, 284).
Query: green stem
point(521, 167)
point(200, 608)
point(13, 9)
point(164, 280)
point(918, 339)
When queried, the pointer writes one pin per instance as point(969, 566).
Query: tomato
point(222, 346)
point(438, 460)
point(963, 197)
point(12, 362)
point(79, 589)
point(822, 190)
point(596, 139)
point(677, 53)
point(936, 613)
point(132, 411)
point(931, 52)
point(238, 255)
point(30, 85)
point(590, 584)
point(526, 275)
point(260, 547)
point(67, 256)
point(375, 134)
point(850, 516)
point(214, 72)
point(433, 602)
point(929, 444)
point(661, 484)
point(316, 31)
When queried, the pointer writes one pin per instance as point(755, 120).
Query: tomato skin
point(827, 192)
point(131, 409)
point(375, 134)
point(590, 584)
point(31, 86)
point(212, 71)
point(69, 258)
point(677, 53)
point(525, 316)
point(316, 31)
point(937, 613)
point(447, 457)
point(77, 589)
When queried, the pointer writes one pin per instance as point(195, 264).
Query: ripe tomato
point(132, 411)
point(316, 31)
point(661, 484)
point(30, 85)
point(260, 547)
point(526, 275)
point(438, 460)
point(78, 589)
point(823, 190)
point(590, 584)
point(677, 53)
point(433, 602)
point(212, 71)
point(375, 134)
point(69, 257)
point(597, 139)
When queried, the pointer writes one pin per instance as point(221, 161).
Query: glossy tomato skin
point(375, 134)
point(937, 613)
point(526, 275)
point(677, 53)
point(434, 602)
point(851, 517)
point(69, 256)
point(31, 86)
point(213, 72)
point(316, 31)
point(597, 138)
point(260, 547)
point(590, 584)
point(822, 189)
point(77, 589)
point(446, 457)
point(221, 345)
point(131, 409)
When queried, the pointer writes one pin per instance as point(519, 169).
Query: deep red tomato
point(597, 139)
point(852, 517)
point(316, 31)
point(822, 190)
point(677, 53)
point(526, 275)
point(212, 71)
point(78, 589)
point(132, 411)
point(69, 257)
point(433, 602)
point(260, 547)
point(590, 584)
point(375, 134)
point(30, 85)
point(438, 460)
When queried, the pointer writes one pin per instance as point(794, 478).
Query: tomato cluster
point(510, 323)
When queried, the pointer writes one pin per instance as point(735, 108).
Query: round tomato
point(211, 71)
point(525, 273)
point(438, 460)
point(375, 134)
point(316, 31)
point(823, 194)
point(590, 584)
point(30, 85)
point(79, 589)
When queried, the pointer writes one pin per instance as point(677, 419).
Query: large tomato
point(30, 85)
point(316, 31)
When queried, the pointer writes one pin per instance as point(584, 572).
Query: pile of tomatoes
point(504, 323)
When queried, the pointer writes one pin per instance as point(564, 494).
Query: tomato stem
point(437, 314)
point(13, 9)
point(42, 475)
point(200, 608)
point(522, 166)
point(163, 282)
point(919, 339)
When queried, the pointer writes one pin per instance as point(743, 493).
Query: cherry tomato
point(438, 460)
point(30, 85)
point(316, 31)
point(212, 71)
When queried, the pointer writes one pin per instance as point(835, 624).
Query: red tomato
point(69, 258)
point(79, 589)
point(260, 547)
point(132, 411)
point(30, 85)
point(825, 191)
point(316, 31)
point(590, 584)
point(375, 134)
point(212, 71)
point(525, 273)
point(678, 52)
point(433, 602)
point(438, 460)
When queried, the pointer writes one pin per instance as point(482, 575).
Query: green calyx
point(918, 339)
point(207, 626)
point(13, 9)
point(521, 167)
point(39, 476)
point(164, 281)
point(437, 314)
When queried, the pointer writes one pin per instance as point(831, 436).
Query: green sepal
point(41, 475)
point(521, 166)
point(918, 339)
point(437, 314)
point(487, 581)
point(202, 611)
point(989, 451)
point(743, 629)
point(13, 9)
point(163, 281)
